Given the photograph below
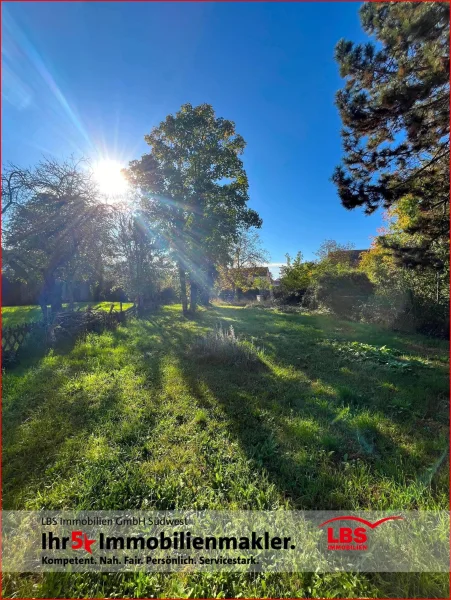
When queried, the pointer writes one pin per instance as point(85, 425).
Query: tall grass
point(223, 346)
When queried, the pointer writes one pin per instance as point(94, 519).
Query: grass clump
point(201, 418)
point(222, 345)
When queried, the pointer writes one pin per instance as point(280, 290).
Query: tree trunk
point(57, 300)
point(51, 292)
point(193, 296)
point(43, 305)
point(182, 276)
point(70, 294)
point(139, 304)
point(205, 297)
point(206, 291)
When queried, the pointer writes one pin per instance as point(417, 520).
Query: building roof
point(355, 256)
point(254, 271)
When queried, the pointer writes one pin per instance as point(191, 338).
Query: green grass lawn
point(16, 315)
point(329, 420)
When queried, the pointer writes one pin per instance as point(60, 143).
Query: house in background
point(252, 278)
point(352, 256)
point(253, 274)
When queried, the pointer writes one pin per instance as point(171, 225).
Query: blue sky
point(93, 78)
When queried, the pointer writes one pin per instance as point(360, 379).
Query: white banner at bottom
point(270, 541)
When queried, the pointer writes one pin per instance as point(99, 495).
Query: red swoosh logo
point(364, 521)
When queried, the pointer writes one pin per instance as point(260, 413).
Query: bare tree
point(57, 229)
point(139, 256)
point(246, 256)
point(14, 187)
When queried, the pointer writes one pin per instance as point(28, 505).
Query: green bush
point(408, 313)
point(168, 295)
point(386, 310)
point(343, 293)
point(431, 318)
point(294, 296)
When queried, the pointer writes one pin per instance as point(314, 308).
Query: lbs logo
point(78, 541)
point(351, 538)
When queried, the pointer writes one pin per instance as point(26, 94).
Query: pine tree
point(395, 112)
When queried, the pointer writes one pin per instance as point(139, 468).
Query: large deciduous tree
point(196, 181)
point(395, 112)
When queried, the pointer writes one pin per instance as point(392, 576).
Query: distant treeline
point(18, 293)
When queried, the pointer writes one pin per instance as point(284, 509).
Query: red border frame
point(1, 148)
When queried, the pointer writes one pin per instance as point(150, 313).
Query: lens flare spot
point(109, 178)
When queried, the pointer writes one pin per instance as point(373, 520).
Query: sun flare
point(109, 178)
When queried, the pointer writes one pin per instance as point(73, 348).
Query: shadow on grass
point(328, 432)
point(299, 444)
point(55, 407)
point(37, 426)
point(323, 440)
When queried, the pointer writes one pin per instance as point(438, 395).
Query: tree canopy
point(395, 113)
point(196, 180)
point(57, 232)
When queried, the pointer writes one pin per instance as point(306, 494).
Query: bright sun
point(108, 175)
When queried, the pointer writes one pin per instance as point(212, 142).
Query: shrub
point(223, 346)
point(407, 312)
point(389, 357)
point(431, 318)
point(294, 296)
point(289, 308)
point(168, 295)
point(343, 293)
point(385, 310)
